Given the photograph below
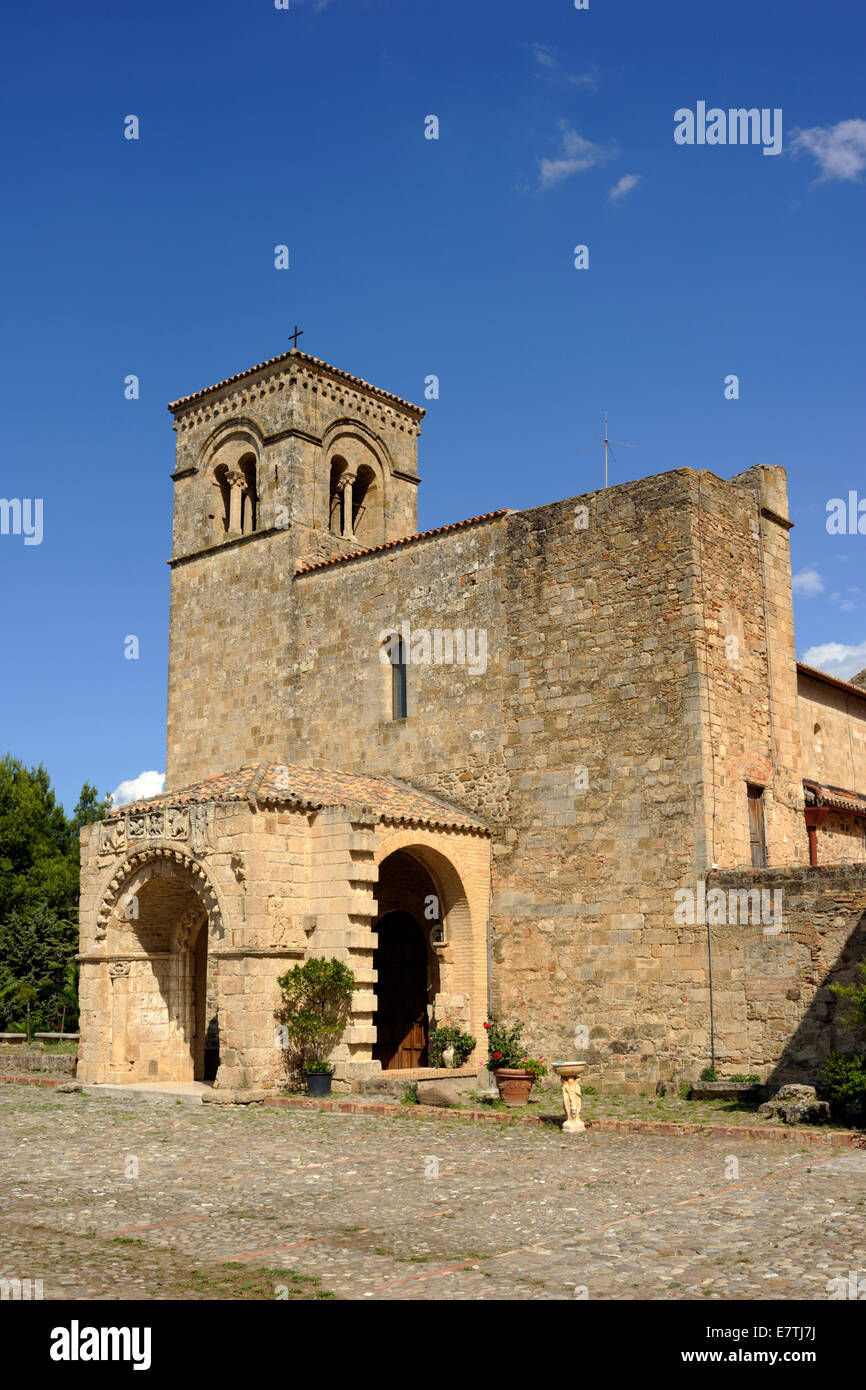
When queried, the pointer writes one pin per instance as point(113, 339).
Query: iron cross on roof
point(293, 337)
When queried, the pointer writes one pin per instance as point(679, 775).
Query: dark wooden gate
point(400, 960)
point(757, 834)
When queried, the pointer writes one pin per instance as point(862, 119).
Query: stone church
point(559, 763)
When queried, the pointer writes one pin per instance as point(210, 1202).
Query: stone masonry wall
point(774, 1012)
point(608, 742)
point(836, 753)
point(232, 625)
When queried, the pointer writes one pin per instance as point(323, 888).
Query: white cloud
point(577, 155)
point(543, 56)
point(837, 659)
point(839, 149)
point(145, 784)
point(545, 59)
point(625, 185)
point(808, 582)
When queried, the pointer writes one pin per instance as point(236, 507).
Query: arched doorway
point(400, 960)
point(163, 987)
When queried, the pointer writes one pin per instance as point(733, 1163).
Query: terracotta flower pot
point(514, 1085)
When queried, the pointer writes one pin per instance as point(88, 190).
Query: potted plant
point(317, 997)
point(318, 1076)
point(449, 1047)
point(515, 1072)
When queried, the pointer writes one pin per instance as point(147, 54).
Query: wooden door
point(400, 960)
point(757, 835)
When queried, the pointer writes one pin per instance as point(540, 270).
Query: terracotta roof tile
point(301, 357)
point(820, 794)
point(831, 680)
point(291, 783)
point(404, 540)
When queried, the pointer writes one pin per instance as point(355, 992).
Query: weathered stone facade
point(606, 686)
point(193, 904)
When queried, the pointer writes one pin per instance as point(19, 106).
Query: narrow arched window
point(399, 702)
point(363, 503)
point(249, 495)
point(336, 498)
point(221, 482)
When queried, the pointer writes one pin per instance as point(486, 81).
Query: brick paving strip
point(850, 1139)
point(799, 1134)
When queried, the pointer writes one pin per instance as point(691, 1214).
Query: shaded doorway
point(206, 1052)
point(400, 960)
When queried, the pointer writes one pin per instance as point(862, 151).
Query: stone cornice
point(778, 518)
point(275, 374)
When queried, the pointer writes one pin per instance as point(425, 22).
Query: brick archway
point(442, 882)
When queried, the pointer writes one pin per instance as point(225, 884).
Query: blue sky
point(408, 257)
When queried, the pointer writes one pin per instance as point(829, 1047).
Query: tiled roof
point(818, 794)
point(314, 787)
point(831, 680)
point(404, 540)
point(301, 357)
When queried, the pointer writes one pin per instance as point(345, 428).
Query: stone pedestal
point(569, 1074)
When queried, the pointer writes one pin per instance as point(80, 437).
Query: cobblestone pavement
point(127, 1196)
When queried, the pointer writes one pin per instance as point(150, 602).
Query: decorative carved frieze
point(186, 824)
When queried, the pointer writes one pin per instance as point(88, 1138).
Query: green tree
point(39, 869)
point(38, 973)
point(36, 864)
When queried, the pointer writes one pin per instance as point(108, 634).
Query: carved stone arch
point(137, 868)
point(240, 424)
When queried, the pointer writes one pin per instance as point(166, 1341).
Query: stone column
point(118, 971)
point(345, 487)
point(237, 483)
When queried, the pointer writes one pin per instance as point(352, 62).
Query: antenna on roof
point(608, 445)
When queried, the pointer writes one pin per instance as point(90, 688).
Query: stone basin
point(569, 1074)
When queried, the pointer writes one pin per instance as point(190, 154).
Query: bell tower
point(280, 466)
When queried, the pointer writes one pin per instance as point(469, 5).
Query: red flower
point(487, 1025)
point(496, 1056)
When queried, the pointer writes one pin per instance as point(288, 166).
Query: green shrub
point(753, 1078)
point(854, 994)
point(845, 1075)
point(685, 1090)
point(535, 1065)
point(504, 1045)
point(318, 1066)
point(317, 997)
point(709, 1074)
point(440, 1038)
point(505, 1049)
point(410, 1095)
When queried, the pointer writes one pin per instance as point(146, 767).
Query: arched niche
point(355, 475)
point(231, 474)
